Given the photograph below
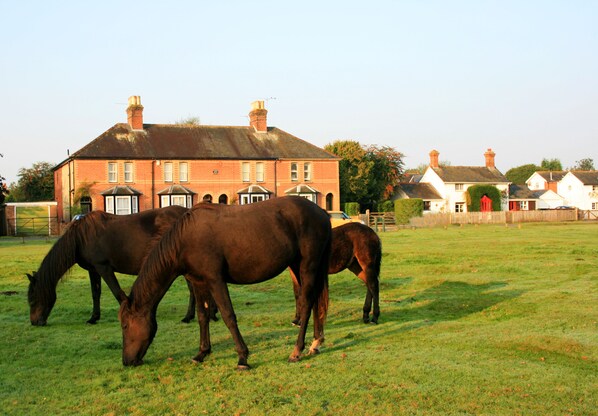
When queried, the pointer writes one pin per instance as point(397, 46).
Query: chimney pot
point(489, 155)
point(258, 116)
point(135, 113)
point(434, 158)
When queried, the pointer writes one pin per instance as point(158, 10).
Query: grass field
point(482, 320)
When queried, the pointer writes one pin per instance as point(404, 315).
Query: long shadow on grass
point(449, 301)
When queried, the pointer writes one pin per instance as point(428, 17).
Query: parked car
point(339, 218)
point(565, 207)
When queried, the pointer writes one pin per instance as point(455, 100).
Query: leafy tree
point(551, 164)
point(584, 164)
point(518, 175)
point(367, 174)
point(34, 184)
point(387, 171)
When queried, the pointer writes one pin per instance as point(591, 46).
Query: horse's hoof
point(374, 322)
point(92, 321)
point(296, 322)
point(243, 367)
point(186, 320)
point(293, 359)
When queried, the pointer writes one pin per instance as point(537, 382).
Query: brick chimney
point(489, 155)
point(434, 158)
point(258, 116)
point(135, 113)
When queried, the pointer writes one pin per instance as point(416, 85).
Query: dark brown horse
point(358, 248)
point(102, 244)
point(216, 244)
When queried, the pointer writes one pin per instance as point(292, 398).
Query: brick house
point(135, 166)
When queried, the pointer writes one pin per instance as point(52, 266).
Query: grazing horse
point(102, 244)
point(218, 244)
point(358, 248)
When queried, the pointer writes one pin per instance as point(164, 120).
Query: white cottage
point(451, 182)
point(580, 189)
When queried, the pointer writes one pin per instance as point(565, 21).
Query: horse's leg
point(296, 290)
point(219, 291)
point(304, 305)
point(202, 297)
point(360, 272)
point(96, 291)
point(191, 307)
point(108, 274)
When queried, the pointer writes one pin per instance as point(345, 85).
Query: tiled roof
point(587, 177)
point(419, 190)
point(176, 190)
point(523, 192)
point(301, 189)
point(121, 190)
point(168, 141)
point(552, 175)
point(470, 174)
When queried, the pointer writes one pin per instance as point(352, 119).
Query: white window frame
point(168, 172)
point(110, 204)
point(179, 200)
point(259, 172)
point(309, 197)
point(459, 187)
point(245, 171)
point(459, 206)
point(307, 172)
point(128, 171)
point(524, 205)
point(164, 201)
point(183, 172)
point(294, 172)
point(112, 172)
point(594, 206)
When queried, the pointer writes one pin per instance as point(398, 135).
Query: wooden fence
point(499, 217)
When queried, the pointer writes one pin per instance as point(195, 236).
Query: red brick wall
point(213, 177)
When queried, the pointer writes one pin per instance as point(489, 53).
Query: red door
point(485, 204)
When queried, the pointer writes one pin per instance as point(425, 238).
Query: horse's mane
point(162, 259)
point(63, 254)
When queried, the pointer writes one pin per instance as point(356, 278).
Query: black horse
point(358, 248)
point(102, 244)
point(214, 245)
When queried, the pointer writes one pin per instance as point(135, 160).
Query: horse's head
point(39, 306)
point(139, 329)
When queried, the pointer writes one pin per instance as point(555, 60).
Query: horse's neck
point(148, 290)
point(56, 263)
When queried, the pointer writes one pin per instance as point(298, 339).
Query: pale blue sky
point(520, 77)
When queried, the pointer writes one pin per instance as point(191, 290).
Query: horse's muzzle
point(39, 322)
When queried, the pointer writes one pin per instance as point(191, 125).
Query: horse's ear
point(30, 277)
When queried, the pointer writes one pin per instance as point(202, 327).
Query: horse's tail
point(378, 259)
point(323, 300)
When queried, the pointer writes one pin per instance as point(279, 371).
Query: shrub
point(406, 209)
point(386, 206)
point(352, 208)
point(475, 194)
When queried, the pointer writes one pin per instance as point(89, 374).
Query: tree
point(518, 175)
point(34, 184)
point(367, 174)
point(551, 164)
point(189, 121)
point(387, 169)
point(584, 164)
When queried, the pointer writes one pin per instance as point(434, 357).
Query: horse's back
point(256, 241)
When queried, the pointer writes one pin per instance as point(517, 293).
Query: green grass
point(475, 320)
